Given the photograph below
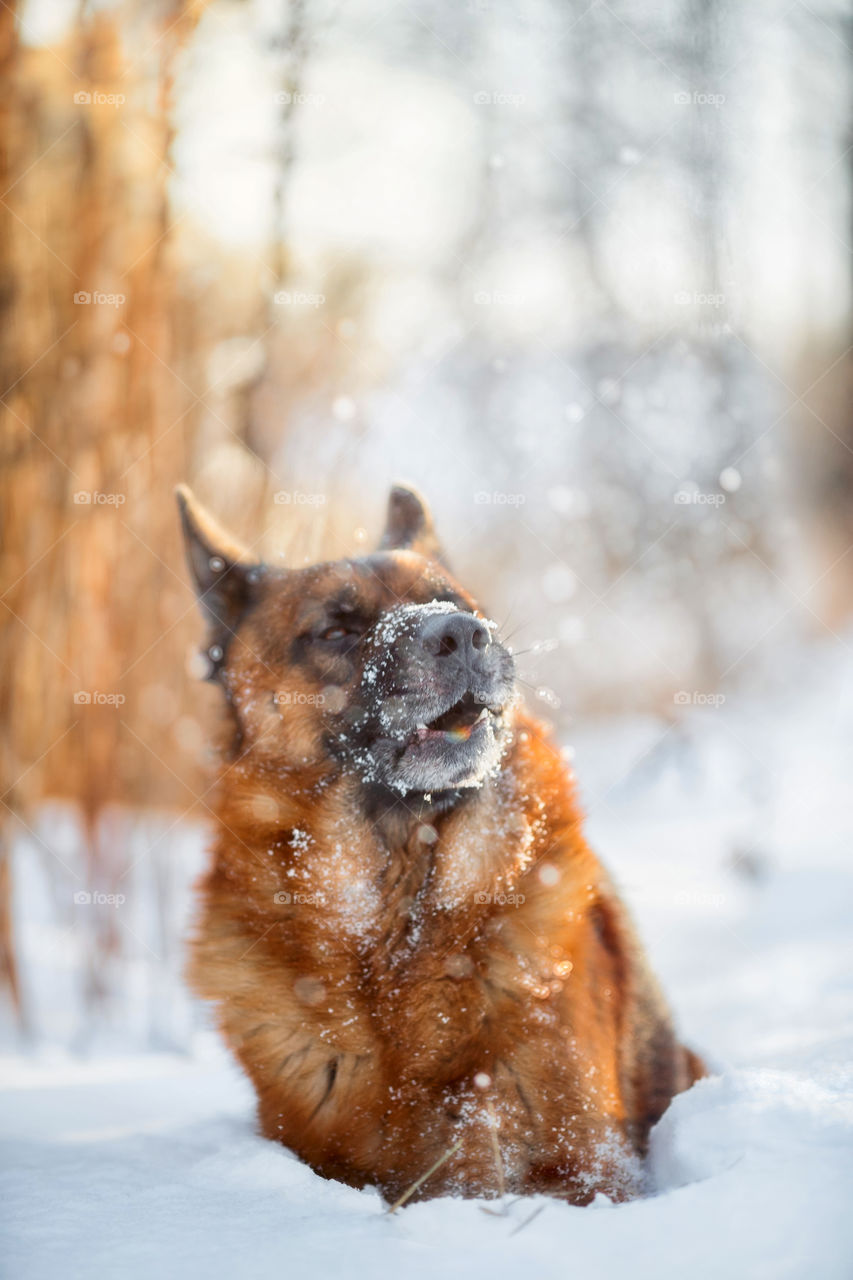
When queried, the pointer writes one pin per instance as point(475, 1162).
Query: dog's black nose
point(458, 635)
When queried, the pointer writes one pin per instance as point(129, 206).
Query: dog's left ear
point(408, 525)
point(224, 574)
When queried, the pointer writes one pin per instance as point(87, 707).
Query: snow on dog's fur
point(414, 954)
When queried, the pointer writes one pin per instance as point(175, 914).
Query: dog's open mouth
point(458, 723)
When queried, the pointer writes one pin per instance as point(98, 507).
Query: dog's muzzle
point(438, 687)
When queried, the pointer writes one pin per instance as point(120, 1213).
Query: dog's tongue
point(455, 725)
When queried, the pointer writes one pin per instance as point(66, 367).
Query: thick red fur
point(397, 978)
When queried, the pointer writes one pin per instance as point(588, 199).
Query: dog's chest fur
point(393, 995)
point(394, 930)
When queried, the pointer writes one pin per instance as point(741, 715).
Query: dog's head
point(381, 664)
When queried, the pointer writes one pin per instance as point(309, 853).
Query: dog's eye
point(337, 633)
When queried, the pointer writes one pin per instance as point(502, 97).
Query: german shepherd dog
point(415, 956)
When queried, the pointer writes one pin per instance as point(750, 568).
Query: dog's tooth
point(482, 715)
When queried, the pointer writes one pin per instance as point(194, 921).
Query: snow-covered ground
point(731, 834)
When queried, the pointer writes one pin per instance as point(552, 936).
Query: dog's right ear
point(409, 526)
point(224, 574)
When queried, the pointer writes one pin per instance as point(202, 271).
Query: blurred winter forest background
point(579, 270)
